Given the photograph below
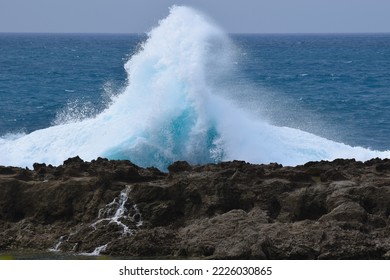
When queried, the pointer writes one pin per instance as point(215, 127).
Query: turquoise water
point(188, 91)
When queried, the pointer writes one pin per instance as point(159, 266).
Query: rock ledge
point(231, 210)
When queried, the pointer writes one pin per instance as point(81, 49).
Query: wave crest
point(174, 109)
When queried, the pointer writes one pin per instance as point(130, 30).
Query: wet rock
point(179, 166)
point(231, 210)
point(347, 212)
point(4, 170)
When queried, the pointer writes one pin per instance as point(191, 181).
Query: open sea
point(188, 91)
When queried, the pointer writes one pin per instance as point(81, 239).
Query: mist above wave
point(175, 108)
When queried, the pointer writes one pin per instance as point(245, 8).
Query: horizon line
point(229, 33)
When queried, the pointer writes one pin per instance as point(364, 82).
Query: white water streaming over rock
point(122, 213)
point(97, 251)
point(56, 247)
point(118, 219)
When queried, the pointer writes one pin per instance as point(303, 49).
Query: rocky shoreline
point(230, 210)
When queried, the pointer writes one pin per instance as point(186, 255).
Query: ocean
point(186, 90)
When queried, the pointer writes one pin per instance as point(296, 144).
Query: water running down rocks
point(173, 108)
point(325, 210)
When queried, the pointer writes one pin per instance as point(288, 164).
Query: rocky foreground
point(321, 210)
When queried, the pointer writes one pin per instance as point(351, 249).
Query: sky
point(234, 16)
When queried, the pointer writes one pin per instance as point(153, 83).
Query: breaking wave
point(173, 109)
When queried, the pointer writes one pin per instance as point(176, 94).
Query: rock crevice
point(320, 210)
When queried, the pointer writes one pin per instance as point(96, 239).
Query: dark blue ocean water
point(342, 82)
point(41, 73)
point(334, 86)
point(337, 86)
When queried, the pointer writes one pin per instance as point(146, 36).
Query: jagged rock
point(4, 170)
point(179, 166)
point(230, 210)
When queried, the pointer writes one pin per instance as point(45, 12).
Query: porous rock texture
point(230, 210)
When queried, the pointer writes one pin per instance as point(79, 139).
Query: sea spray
point(174, 108)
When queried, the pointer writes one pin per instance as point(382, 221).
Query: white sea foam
point(173, 109)
point(97, 251)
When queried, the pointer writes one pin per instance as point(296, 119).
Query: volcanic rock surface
point(230, 210)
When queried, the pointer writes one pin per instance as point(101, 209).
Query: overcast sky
point(234, 16)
